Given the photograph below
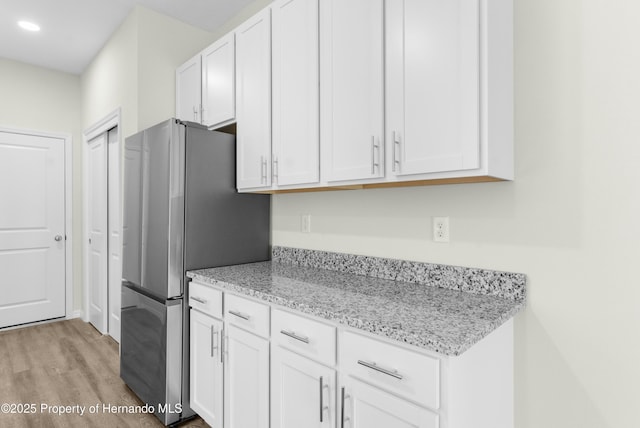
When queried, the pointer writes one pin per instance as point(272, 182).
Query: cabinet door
point(366, 406)
point(218, 81)
point(302, 392)
point(253, 102)
point(296, 104)
point(432, 71)
point(246, 380)
point(351, 58)
point(206, 368)
point(188, 93)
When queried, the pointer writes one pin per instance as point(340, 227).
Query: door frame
point(68, 209)
point(103, 125)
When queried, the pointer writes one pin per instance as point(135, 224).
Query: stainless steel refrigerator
point(181, 212)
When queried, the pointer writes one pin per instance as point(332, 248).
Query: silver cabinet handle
point(342, 418)
point(195, 114)
point(274, 168)
point(216, 342)
point(263, 170)
point(222, 346)
point(199, 300)
point(323, 408)
point(240, 315)
point(58, 238)
point(321, 399)
point(396, 158)
point(293, 335)
point(374, 366)
point(374, 146)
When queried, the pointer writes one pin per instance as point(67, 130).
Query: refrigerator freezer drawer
point(151, 351)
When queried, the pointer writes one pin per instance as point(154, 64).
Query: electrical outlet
point(305, 223)
point(441, 229)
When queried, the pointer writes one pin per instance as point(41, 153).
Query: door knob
point(58, 238)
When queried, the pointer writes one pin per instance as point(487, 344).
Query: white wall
point(248, 11)
point(570, 220)
point(135, 70)
point(40, 99)
point(110, 81)
point(163, 44)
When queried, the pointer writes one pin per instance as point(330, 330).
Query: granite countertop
point(430, 317)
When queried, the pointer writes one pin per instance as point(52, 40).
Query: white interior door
point(114, 222)
point(32, 228)
point(97, 226)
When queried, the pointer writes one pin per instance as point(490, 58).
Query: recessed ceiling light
point(29, 26)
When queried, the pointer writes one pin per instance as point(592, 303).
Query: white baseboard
point(78, 313)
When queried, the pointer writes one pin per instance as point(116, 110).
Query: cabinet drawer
point(305, 336)
point(205, 299)
point(398, 370)
point(245, 313)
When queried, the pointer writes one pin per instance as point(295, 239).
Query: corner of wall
point(247, 12)
point(110, 80)
point(163, 44)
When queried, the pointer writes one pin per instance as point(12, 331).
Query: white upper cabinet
point(188, 94)
point(361, 93)
point(449, 89)
point(218, 74)
point(432, 82)
point(296, 134)
point(352, 92)
point(253, 101)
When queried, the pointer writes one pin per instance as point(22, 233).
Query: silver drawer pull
point(293, 335)
point(199, 300)
point(374, 366)
point(240, 315)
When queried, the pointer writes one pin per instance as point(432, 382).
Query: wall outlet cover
point(441, 229)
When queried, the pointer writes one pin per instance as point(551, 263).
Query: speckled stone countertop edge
point(508, 285)
point(376, 329)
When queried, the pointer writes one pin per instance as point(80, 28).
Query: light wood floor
point(66, 363)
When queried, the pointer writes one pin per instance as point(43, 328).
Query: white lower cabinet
point(246, 391)
point(302, 392)
point(365, 406)
point(206, 369)
point(287, 370)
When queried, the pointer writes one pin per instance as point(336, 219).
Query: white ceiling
point(73, 31)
